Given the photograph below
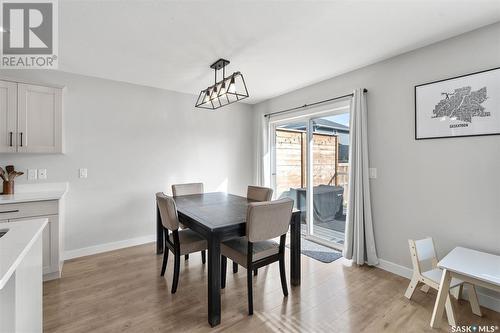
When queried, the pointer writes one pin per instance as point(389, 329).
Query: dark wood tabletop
point(219, 217)
point(214, 210)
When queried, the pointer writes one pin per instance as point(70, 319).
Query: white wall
point(135, 141)
point(446, 188)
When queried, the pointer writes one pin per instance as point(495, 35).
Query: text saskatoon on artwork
point(462, 105)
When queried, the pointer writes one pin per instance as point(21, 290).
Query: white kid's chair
point(422, 252)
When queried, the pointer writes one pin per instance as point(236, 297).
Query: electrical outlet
point(42, 173)
point(372, 173)
point(32, 174)
point(83, 173)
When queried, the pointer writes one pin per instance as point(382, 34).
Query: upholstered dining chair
point(188, 189)
point(259, 193)
point(180, 242)
point(265, 221)
point(256, 193)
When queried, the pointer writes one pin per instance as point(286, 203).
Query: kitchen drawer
point(28, 209)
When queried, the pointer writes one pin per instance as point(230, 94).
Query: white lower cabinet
point(18, 212)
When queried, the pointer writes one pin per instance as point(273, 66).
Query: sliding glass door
point(329, 143)
point(289, 163)
point(310, 163)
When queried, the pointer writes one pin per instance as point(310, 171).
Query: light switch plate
point(83, 173)
point(372, 173)
point(42, 173)
point(32, 174)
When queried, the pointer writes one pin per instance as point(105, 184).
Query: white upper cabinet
point(35, 115)
point(39, 119)
point(8, 117)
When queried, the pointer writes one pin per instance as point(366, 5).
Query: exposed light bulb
point(232, 86)
point(214, 93)
point(206, 99)
point(223, 88)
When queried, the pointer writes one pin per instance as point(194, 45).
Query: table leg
point(295, 250)
point(443, 294)
point(450, 311)
point(159, 233)
point(214, 281)
point(473, 301)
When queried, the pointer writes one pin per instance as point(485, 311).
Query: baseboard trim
point(51, 276)
point(395, 268)
point(485, 300)
point(87, 251)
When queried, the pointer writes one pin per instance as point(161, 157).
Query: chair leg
point(165, 259)
point(283, 275)
point(177, 266)
point(255, 271)
point(474, 303)
point(186, 256)
point(223, 269)
point(456, 292)
point(411, 287)
point(203, 257)
point(460, 291)
point(250, 291)
point(235, 267)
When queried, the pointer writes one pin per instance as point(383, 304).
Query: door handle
point(21, 134)
point(10, 211)
point(10, 134)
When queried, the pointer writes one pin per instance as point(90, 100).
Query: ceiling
point(279, 46)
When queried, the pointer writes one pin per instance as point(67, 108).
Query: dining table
point(218, 217)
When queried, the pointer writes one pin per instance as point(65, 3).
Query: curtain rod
point(312, 104)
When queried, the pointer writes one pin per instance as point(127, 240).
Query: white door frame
point(308, 119)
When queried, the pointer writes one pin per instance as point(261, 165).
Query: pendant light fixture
point(224, 92)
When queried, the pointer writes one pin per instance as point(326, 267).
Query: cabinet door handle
point(10, 211)
point(21, 134)
point(10, 134)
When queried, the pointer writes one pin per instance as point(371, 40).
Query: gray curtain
point(359, 240)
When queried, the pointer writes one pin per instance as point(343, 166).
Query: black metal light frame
point(221, 89)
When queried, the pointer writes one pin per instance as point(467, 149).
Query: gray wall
point(135, 141)
point(447, 188)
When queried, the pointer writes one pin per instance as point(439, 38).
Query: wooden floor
point(122, 291)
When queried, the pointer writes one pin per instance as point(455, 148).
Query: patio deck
point(332, 231)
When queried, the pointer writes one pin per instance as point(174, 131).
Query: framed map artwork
point(467, 105)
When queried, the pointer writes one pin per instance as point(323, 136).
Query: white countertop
point(28, 197)
point(35, 192)
point(16, 243)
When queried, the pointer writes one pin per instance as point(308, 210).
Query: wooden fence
point(291, 161)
